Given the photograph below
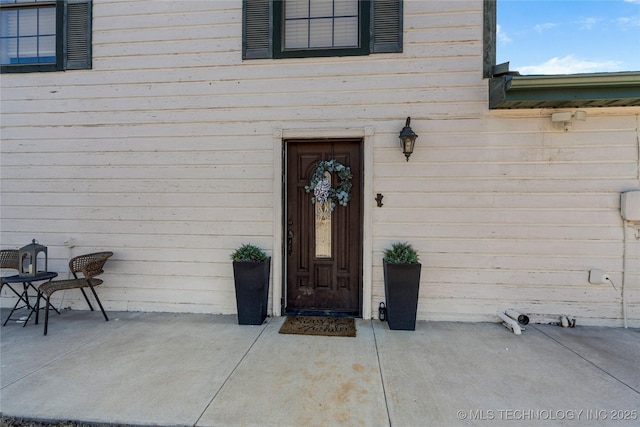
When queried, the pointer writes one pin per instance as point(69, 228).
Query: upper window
point(45, 35)
point(320, 24)
point(303, 28)
point(29, 33)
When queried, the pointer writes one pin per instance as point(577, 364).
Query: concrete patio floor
point(205, 370)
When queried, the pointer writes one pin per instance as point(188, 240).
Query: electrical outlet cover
point(630, 205)
point(598, 277)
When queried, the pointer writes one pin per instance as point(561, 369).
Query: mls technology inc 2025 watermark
point(548, 414)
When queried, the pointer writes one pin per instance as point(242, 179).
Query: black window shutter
point(386, 27)
point(256, 29)
point(77, 34)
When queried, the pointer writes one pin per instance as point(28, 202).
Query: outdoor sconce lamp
point(407, 139)
point(30, 264)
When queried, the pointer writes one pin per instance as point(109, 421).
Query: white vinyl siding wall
point(164, 154)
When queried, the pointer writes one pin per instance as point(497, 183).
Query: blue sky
point(569, 36)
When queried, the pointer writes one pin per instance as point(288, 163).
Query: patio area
point(205, 370)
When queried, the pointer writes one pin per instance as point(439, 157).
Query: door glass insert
point(323, 225)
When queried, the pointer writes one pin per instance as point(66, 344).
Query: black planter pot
point(252, 290)
point(401, 286)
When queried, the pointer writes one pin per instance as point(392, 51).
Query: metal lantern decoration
point(407, 139)
point(33, 259)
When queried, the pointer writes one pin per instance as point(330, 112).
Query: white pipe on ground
point(521, 318)
point(509, 323)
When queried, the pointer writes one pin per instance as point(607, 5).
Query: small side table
point(27, 282)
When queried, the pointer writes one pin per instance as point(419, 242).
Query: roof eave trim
point(597, 90)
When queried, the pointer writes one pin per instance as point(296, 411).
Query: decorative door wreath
point(323, 192)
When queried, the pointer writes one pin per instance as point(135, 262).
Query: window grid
point(28, 48)
point(309, 19)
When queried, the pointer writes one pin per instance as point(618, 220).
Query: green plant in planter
point(251, 267)
point(249, 253)
point(401, 267)
point(401, 253)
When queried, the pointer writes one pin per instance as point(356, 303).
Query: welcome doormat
point(315, 325)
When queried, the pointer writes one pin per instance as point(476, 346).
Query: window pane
point(21, 1)
point(321, 8)
point(9, 23)
point(47, 48)
point(346, 8)
point(27, 22)
point(296, 9)
point(297, 35)
point(9, 49)
point(321, 33)
point(27, 48)
point(346, 32)
point(47, 21)
point(29, 35)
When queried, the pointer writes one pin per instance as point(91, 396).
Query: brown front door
point(323, 251)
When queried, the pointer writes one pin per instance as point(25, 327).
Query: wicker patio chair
point(90, 265)
point(9, 258)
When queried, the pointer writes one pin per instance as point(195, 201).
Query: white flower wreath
point(322, 190)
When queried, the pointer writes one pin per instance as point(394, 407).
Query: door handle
point(289, 242)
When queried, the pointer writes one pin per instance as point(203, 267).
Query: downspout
point(627, 223)
point(625, 252)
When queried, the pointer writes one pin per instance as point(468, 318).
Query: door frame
point(279, 239)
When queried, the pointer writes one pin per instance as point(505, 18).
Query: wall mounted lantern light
point(407, 139)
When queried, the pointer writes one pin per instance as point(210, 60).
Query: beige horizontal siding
point(164, 153)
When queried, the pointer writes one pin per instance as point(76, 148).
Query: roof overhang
point(565, 91)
